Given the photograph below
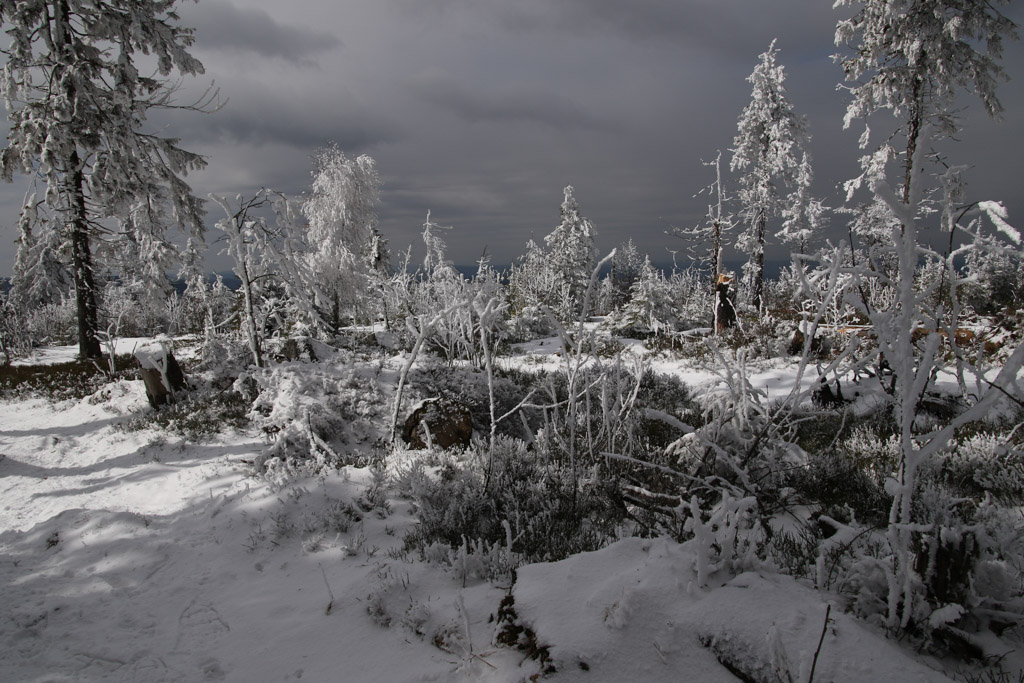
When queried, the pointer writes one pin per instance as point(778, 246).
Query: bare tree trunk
point(85, 282)
point(250, 316)
point(757, 259)
point(913, 131)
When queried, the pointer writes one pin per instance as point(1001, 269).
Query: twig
point(330, 605)
point(824, 629)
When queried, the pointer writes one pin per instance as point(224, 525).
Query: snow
point(134, 556)
point(632, 611)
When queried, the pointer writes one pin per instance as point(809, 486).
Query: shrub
point(529, 504)
point(316, 417)
point(62, 381)
point(838, 486)
point(198, 415)
point(984, 464)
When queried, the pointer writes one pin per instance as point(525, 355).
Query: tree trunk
point(757, 258)
point(251, 330)
point(913, 130)
point(335, 311)
point(85, 282)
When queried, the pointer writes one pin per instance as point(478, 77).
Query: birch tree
point(76, 107)
point(346, 246)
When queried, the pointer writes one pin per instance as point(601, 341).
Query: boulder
point(441, 422)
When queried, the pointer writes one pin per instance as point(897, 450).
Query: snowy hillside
point(135, 555)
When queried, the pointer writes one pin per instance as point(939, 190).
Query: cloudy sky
point(481, 111)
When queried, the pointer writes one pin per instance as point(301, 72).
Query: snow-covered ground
point(131, 556)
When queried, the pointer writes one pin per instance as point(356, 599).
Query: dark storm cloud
point(483, 110)
point(223, 27)
point(505, 103)
point(722, 27)
point(275, 122)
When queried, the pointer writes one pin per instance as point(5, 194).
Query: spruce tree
point(769, 145)
point(572, 256)
point(913, 56)
point(76, 106)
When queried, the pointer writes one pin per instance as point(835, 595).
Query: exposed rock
point(438, 421)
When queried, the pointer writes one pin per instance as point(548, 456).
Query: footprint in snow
point(198, 626)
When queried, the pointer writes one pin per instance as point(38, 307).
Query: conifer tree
point(76, 106)
point(769, 145)
point(572, 255)
point(913, 56)
point(40, 274)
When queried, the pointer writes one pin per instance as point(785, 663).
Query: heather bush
point(62, 381)
point(532, 506)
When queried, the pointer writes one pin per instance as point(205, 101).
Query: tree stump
point(725, 312)
point(160, 373)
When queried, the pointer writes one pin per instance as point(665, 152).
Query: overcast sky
point(483, 110)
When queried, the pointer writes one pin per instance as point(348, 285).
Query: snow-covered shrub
point(375, 497)
point(764, 337)
point(727, 538)
point(53, 323)
point(985, 464)
point(997, 281)
point(795, 551)
point(744, 442)
point(75, 380)
point(531, 507)
point(469, 389)
point(476, 559)
point(969, 561)
point(316, 416)
point(837, 484)
point(197, 415)
point(128, 310)
point(14, 339)
point(530, 322)
point(841, 489)
point(206, 307)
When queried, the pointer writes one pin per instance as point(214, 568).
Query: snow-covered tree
point(707, 239)
point(347, 248)
point(651, 306)
point(525, 281)
point(76, 106)
point(803, 216)
point(769, 145)
point(571, 257)
point(627, 266)
point(913, 56)
point(40, 273)
point(270, 261)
